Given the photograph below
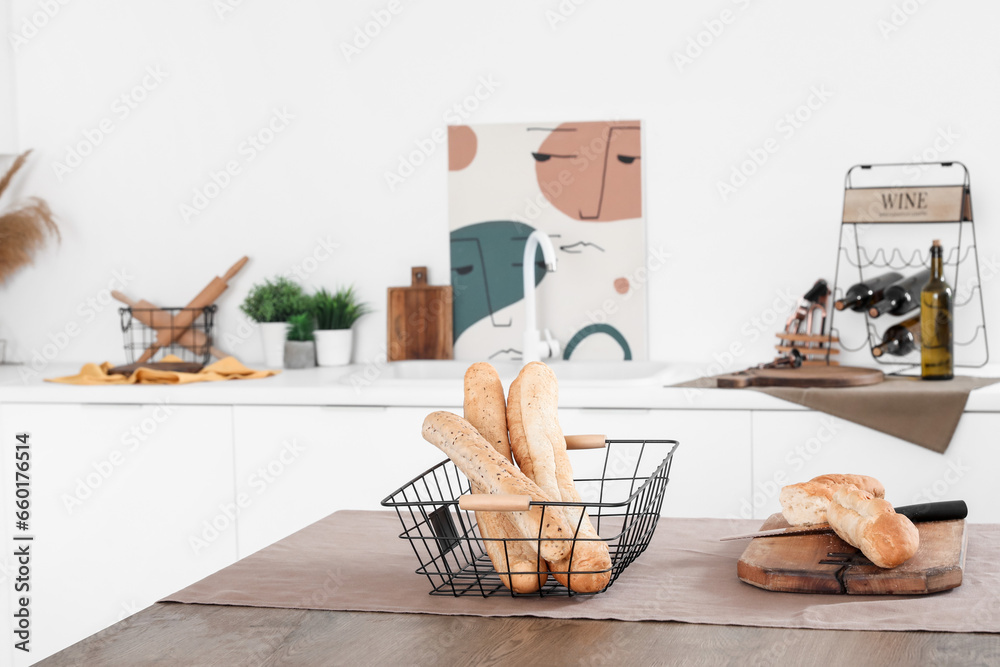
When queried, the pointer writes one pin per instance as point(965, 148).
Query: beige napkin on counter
point(228, 368)
point(355, 561)
point(924, 413)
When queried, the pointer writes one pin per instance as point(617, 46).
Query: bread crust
point(806, 502)
point(486, 410)
point(529, 438)
point(863, 482)
point(887, 539)
point(484, 466)
point(533, 417)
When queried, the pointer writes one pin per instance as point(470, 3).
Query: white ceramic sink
point(569, 373)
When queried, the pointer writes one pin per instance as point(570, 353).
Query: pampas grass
point(24, 229)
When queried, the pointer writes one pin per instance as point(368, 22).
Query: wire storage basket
point(153, 333)
point(623, 503)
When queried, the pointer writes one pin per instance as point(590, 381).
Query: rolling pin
point(184, 319)
point(156, 318)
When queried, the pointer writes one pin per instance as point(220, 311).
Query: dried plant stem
point(14, 168)
point(23, 230)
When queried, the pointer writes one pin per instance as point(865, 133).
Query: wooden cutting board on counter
point(420, 319)
point(826, 564)
point(805, 376)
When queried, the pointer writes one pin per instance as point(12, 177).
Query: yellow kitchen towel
point(223, 369)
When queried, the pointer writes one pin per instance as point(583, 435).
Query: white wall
point(324, 175)
point(8, 131)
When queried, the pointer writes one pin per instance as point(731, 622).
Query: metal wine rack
point(958, 234)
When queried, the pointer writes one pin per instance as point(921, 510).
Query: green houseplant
point(271, 303)
point(335, 316)
point(300, 350)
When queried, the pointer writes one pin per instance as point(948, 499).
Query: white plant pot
point(333, 346)
point(273, 336)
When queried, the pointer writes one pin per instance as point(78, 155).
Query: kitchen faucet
point(532, 348)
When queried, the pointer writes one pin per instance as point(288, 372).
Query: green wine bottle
point(936, 362)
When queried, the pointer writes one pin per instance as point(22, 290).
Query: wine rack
point(877, 213)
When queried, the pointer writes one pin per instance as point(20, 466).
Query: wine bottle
point(900, 339)
point(865, 293)
point(902, 297)
point(936, 362)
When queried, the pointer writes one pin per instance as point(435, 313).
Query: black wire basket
point(446, 539)
point(153, 333)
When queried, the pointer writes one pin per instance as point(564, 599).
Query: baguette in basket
point(540, 450)
point(486, 410)
point(489, 470)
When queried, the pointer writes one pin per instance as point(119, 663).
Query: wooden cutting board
point(826, 564)
point(170, 366)
point(806, 376)
point(420, 319)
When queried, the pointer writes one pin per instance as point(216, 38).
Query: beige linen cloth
point(228, 368)
point(355, 561)
point(924, 413)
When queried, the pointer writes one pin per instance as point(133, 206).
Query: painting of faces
point(579, 183)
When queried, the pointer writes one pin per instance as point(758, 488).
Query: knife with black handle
point(945, 510)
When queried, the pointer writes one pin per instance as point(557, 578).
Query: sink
point(569, 373)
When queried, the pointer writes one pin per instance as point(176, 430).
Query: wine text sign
point(909, 204)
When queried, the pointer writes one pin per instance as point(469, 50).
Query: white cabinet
point(119, 493)
point(133, 502)
point(297, 464)
point(795, 446)
point(714, 453)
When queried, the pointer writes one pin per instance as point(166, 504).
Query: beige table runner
point(924, 413)
point(354, 561)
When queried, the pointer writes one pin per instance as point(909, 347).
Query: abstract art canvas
point(579, 183)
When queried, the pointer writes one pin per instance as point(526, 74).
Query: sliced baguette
point(806, 502)
point(870, 524)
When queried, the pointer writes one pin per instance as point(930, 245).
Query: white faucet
point(533, 348)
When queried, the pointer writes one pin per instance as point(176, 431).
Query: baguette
point(870, 524)
point(484, 466)
point(533, 420)
point(863, 482)
point(806, 503)
point(486, 410)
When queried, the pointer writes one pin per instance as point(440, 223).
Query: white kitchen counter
point(346, 386)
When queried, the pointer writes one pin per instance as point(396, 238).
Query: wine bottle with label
point(900, 339)
point(863, 294)
point(902, 297)
point(936, 362)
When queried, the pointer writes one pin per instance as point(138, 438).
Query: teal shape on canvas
point(593, 329)
point(486, 273)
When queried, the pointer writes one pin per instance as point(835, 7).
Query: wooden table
point(190, 634)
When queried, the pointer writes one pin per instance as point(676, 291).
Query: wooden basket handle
point(487, 502)
point(593, 441)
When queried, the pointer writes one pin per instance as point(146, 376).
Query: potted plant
point(335, 315)
point(271, 304)
point(300, 350)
